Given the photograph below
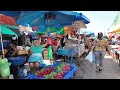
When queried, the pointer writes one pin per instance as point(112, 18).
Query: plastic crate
point(67, 75)
point(70, 74)
point(16, 61)
point(32, 76)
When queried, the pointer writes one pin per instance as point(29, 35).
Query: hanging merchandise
point(25, 29)
point(21, 28)
point(49, 41)
point(35, 28)
point(28, 28)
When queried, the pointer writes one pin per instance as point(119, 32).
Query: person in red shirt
point(55, 43)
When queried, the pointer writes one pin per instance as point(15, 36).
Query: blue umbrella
point(47, 18)
point(44, 19)
point(82, 17)
point(14, 14)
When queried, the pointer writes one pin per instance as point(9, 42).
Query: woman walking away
point(99, 47)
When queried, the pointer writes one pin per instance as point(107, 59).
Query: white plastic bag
point(90, 57)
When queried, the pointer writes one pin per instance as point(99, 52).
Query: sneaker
point(100, 70)
point(97, 69)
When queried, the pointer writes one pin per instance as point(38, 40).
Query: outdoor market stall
point(40, 24)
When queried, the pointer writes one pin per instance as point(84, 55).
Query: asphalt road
point(87, 70)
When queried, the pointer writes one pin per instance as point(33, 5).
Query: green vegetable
point(47, 77)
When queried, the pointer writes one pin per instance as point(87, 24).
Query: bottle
point(25, 72)
point(11, 76)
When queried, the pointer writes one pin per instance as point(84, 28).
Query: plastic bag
point(5, 69)
point(90, 57)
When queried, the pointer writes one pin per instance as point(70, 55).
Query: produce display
point(54, 72)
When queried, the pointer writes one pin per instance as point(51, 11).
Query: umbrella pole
point(2, 42)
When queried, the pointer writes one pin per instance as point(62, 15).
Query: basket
point(17, 61)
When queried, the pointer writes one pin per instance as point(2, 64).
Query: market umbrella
point(57, 33)
point(60, 31)
point(7, 20)
point(47, 19)
point(5, 30)
point(43, 29)
point(51, 18)
point(59, 36)
point(13, 14)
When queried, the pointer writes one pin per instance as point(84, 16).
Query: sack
point(90, 57)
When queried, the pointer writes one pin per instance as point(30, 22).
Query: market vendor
point(36, 58)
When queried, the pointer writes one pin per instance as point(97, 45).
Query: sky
point(99, 20)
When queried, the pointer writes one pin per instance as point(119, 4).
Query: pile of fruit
point(45, 71)
point(52, 72)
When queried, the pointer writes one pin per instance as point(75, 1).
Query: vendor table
point(68, 52)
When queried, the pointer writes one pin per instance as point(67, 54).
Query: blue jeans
point(99, 56)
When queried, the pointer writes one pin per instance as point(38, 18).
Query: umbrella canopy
point(60, 31)
point(49, 18)
point(7, 20)
point(5, 30)
point(44, 30)
point(37, 18)
point(14, 14)
point(82, 17)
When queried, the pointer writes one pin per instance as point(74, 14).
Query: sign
point(79, 24)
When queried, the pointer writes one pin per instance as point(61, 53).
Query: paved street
point(111, 70)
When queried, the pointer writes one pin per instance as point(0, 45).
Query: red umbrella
point(7, 20)
point(59, 36)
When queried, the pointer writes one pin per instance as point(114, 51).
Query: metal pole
point(2, 42)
